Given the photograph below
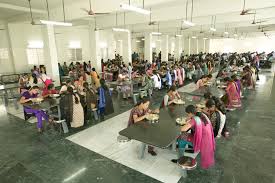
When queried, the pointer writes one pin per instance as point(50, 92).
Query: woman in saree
point(233, 97)
point(238, 84)
point(105, 100)
point(71, 109)
point(247, 78)
point(201, 138)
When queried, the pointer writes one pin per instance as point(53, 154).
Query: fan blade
point(87, 11)
point(101, 13)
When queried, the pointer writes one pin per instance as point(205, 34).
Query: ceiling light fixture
point(159, 40)
point(120, 30)
point(213, 29)
point(137, 41)
point(143, 39)
point(135, 9)
point(205, 38)
point(178, 35)
point(235, 35)
point(186, 22)
point(156, 33)
point(194, 37)
point(47, 22)
point(226, 32)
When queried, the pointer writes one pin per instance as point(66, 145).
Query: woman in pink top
point(201, 82)
point(201, 137)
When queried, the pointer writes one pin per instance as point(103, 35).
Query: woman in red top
point(49, 91)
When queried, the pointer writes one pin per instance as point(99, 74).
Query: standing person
point(130, 70)
point(95, 78)
point(71, 109)
point(27, 96)
point(180, 80)
point(139, 113)
point(168, 78)
point(90, 101)
point(65, 69)
point(183, 73)
point(105, 100)
point(157, 80)
point(201, 138)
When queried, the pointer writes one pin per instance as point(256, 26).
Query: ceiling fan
point(257, 22)
point(32, 20)
point(152, 22)
point(246, 11)
point(91, 12)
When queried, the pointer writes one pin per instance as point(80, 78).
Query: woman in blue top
point(105, 99)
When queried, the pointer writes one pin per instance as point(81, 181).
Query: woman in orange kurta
point(95, 78)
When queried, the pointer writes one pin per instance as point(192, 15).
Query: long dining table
point(162, 133)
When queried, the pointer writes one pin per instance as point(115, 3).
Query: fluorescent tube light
point(235, 35)
point(135, 9)
point(226, 32)
point(205, 38)
point(178, 35)
point(137, 41)
point(46, 22)
point(120, 30)
point(186, 22)
point(36, 44)
point(74, 44)
point(119, 40)
point(143, 39)
point(213, 29)
point(156, 33)
point(194, 37)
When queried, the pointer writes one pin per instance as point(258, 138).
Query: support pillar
point(148, 47)
point(51, 60)
point(164, 48)
point(127, 58)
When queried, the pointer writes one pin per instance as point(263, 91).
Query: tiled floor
point(248, 155)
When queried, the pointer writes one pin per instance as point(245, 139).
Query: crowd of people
point(85, 91)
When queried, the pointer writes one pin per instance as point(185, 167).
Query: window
point(4, 53)
point(35, 56)
point(75, 54)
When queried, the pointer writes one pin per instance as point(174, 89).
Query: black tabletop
point(212, 89)
point(46, 104)
point(164, 132)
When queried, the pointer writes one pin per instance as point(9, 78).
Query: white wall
point(6, 64)
point(64, 35)
point(20, 35)
point(259, 44)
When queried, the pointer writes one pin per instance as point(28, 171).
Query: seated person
point(157, 80)
point(27, 96)
point(213, 115)
point(232, 95)
point(90, 100)
point(49, 91)
point(139, 113)
point(170, 96)
point(222, 111)
point(125, 87)
point(201, 137)
point(201, 82)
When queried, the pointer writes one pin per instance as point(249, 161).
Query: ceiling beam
point(20, 8)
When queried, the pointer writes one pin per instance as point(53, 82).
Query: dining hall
point(137, 91)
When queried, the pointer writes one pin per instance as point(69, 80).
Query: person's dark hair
point(219, 104)
point(227, 79)
point(93, 69)
point(86, 85)
point(143, 101)
point(71, 91)
point(210, 103)
point(190, 109)
point(34, 78)
point(209, 76)
point(234, 77)
point(35, 87)
point(172, 88)
point(50, 86)
point(207, 95)
point(103, 84)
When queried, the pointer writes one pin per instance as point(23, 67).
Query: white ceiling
point(168, 13)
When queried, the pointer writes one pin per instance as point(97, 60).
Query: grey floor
point(248, 155)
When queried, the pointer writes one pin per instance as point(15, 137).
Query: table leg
point(174, 146)
point(142, 151)
point(6, 98)
point(183, 173)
